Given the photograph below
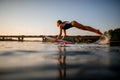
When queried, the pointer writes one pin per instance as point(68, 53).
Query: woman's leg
point(88, 28)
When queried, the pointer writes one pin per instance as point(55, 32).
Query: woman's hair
point(59, 21)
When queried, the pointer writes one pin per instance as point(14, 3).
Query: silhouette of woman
point(63, 26)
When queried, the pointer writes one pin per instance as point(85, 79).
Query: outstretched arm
point(64, 34)
point(60, 33)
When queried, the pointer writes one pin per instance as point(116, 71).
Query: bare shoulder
point(62, 25)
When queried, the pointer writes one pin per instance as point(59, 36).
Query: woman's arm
point(60, 33)
point(64, 34)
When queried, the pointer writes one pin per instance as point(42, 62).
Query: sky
point(38, 17)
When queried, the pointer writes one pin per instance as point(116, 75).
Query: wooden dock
point(18, 37)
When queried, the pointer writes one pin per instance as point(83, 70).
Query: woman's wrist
point(63, 37)
point(57, 37)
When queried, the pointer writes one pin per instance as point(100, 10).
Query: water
point(48, 61)
point(105, 39)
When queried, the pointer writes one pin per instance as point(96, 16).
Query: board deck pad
point(59, 40)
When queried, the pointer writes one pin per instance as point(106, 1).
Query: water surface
point(49, 61)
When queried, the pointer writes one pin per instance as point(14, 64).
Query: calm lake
point(50, 61)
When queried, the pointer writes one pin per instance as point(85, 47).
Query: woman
point(63, 26)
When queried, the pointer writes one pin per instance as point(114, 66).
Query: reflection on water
point(62, 63)
point(48, 61)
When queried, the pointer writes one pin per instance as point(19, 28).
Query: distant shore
point(76, 39)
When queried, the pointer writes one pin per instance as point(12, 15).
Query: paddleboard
point(58, 40)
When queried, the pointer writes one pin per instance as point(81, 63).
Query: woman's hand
point(63, 37)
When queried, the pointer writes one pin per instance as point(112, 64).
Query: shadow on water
point(87, 67)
